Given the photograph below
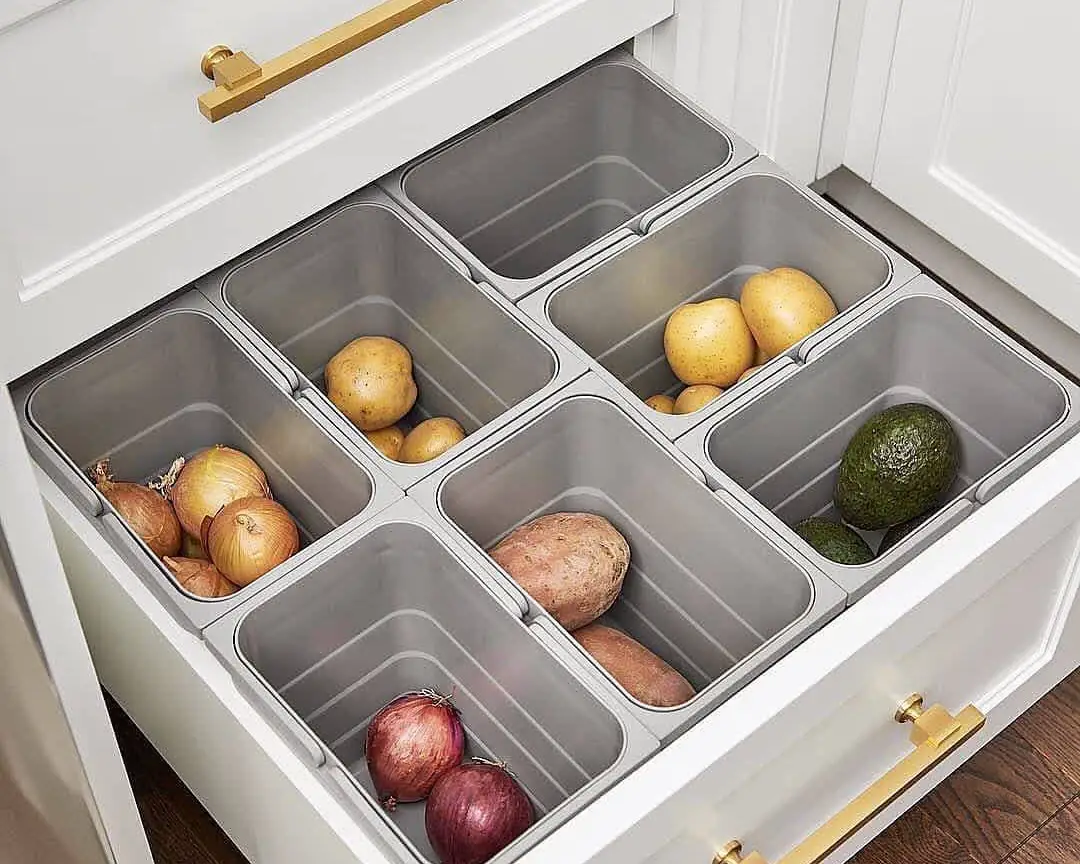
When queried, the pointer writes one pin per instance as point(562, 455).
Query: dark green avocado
point(835, 541)
point(898, 532)
point(896, 467)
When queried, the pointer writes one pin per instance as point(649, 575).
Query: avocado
point(835, 541)
point(898, 532)
point(896, 467)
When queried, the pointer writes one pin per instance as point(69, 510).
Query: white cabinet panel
point(979, 137)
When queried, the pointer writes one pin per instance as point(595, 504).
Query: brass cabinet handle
point(242, 82)
point(935, 734)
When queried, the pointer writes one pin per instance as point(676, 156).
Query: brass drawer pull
point(935, 734)
point(242, 82)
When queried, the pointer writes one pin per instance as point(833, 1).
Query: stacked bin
point(529, 266)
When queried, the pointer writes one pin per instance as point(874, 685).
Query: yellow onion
point(200, 486)
point(250, 537)
point(200, 578)
point(146, 511)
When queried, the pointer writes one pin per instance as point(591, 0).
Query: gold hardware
point(935, 733)
point(242, 82)
point(212, 57)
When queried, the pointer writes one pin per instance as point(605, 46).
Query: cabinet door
point(61, 778)
point(979, 137)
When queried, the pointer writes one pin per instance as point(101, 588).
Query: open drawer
point(983, 616)
point(766, 766)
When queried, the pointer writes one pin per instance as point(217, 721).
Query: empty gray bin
point(393, 608)
point(779, 448)
point(552, 180)
point(172, 385)
point(709, 589)
point(614, 308)
point(366, 270)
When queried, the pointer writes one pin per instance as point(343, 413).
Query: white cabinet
point(978, 137)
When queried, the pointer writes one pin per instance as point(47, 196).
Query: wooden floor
point(1016, 801)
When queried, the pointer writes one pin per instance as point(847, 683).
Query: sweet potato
point(644, 675)
point(572, 564)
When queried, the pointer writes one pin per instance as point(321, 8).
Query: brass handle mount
point(935, 733)
point(241, 82)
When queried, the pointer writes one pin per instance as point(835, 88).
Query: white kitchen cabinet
point(118, 193)
point(977, 138)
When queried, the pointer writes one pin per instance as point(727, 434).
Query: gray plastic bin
point(365, 269)
point(171, 385)
point(709, 589)
point(779, 448)
point(613, 309)
point(394, 608)
point(551, 181)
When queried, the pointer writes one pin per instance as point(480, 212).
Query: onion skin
point(411, 742)
point(201, 486)
point(147, 513)
point(474, 812)
point(200, 578)
point(248, 538)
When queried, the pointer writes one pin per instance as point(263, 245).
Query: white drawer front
point(117, 191)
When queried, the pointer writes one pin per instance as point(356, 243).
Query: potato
point(370, 381)
point(430, 439)
point(709, 342)
point(660, 402)
point(760, 357)
point(695, 398)
point(387, 441)
point(784, 305)
point(641, 673)
point(572, 564)
point(748, 373)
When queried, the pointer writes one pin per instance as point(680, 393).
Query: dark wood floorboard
point(1052, 726)
point(999, 797)
point(1057, 842)
point(1016, 801)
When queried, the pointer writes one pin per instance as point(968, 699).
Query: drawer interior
point(177, 385)
point(704, 591)
point(617, 311)
point(395, 612)
point(364, 272)
point(785, 447)
point(543, 182)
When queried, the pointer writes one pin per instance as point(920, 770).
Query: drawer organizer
point(551, 181)
point(778, 448)
point(529, 266)
point(393, 607)
point(173, 384)
point(707, 590)
point(612, 309)
point(366, 269)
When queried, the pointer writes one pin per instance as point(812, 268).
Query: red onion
point(411, 742)
point(474, 812)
